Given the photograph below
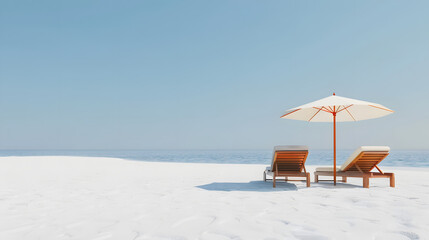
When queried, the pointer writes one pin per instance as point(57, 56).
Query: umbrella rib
point(345, 108)
point(323, 109)
point(315, 114)
point(381, 108)
point(350, 114)
point(327, 110)
point(290, 112)
point(338, 110)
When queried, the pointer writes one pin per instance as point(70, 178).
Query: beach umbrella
point(337, 109)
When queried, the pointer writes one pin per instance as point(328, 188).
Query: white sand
point(104, 198)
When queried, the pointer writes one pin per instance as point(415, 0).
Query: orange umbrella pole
point(335, 149)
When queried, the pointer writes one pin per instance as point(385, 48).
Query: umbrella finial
point(333, 94)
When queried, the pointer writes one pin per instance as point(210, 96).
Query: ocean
point(316, 157)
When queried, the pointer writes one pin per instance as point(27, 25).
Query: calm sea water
point(315, 157)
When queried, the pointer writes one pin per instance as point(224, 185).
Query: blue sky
point(208, 74)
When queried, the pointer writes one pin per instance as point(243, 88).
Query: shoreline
point(389, 167)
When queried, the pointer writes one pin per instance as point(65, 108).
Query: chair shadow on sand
point(261, 186)
point(330, 185)
point(253, 186)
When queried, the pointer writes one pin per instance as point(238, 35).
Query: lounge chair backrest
point(289, 158)
point(365, 158)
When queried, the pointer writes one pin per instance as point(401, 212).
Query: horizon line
point(182, 149)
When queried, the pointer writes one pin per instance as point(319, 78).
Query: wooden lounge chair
point(288, 161)
point(360, 164)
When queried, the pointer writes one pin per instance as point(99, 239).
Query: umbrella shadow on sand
point(253, 186)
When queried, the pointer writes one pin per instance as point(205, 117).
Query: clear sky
point(209, 74)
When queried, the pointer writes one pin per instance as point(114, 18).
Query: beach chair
point(288, 161)
point(359, 165)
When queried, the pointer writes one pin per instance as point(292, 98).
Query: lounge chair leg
point(265, 176)
point(316, 178)
point(274, 181)
point(366, 182)
point(344, 179)
point(285, 179)
point(392, 180)
point(308, 179)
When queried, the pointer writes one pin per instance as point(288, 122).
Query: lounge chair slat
point(289, 162)
point(365, 160)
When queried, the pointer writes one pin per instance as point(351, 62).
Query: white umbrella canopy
point(346, 109)
point(337, 109)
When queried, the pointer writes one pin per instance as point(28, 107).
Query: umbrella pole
point(335, 151)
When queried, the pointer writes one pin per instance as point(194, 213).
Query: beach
point(61, 197)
